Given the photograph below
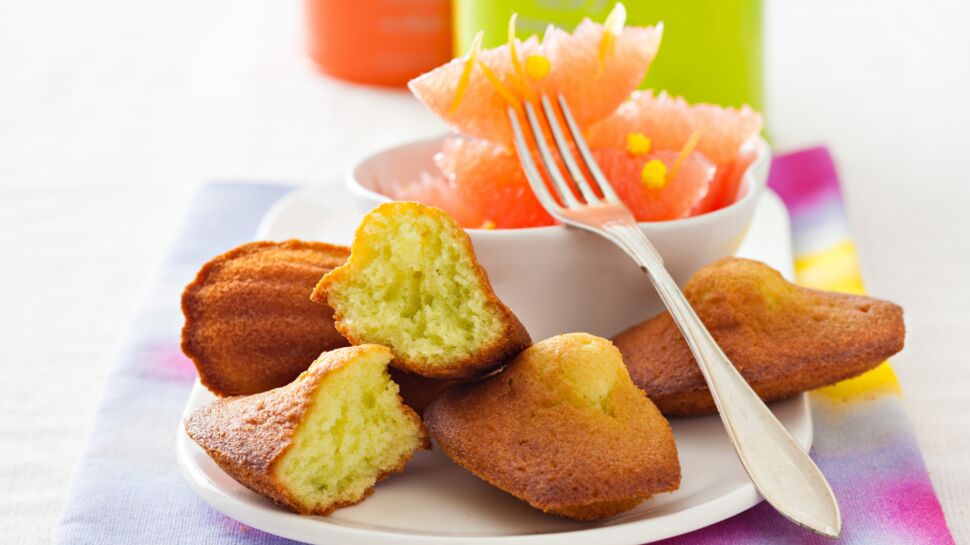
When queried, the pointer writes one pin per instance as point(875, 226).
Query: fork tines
point(567, 196)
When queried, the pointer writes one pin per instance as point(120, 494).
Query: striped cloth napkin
point(127, 488)
point(864, 443)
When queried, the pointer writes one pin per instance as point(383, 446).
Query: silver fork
point(779, 469)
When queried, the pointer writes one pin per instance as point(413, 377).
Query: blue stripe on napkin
point(127, 487)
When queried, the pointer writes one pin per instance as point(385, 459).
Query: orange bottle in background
point(381, 42)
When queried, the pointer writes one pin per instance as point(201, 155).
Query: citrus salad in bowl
point(666, 159)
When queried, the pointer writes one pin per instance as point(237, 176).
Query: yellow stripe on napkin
point(834, 269)
point(837, 269)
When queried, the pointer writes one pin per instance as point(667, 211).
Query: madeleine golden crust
point(249, 323)
point(525, 432)
point(488, 357)
point(783, 338)
point(248, 435)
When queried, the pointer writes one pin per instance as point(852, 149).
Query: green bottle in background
point(711, 50)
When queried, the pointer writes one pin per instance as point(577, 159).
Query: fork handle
point(781, 471)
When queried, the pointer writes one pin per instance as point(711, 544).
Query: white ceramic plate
point(436, 502)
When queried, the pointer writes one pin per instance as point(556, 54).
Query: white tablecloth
point(112, 111)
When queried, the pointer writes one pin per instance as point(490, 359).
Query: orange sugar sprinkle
point(487, 224)
point(684, 152)
point(654, 174)
point(638, 143)
point(537, 66)
point(466, 73)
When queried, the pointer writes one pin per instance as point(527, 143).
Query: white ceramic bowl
point(560, 280)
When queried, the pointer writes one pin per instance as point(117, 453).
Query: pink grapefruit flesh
point(490, 179)
point(592, 83)
point(437, 190)
point(483, 185)
point(669, 121)
point(597, 68)
point(678, 196)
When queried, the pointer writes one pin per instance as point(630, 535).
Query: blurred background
point(113, 112)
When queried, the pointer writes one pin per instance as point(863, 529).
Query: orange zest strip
point(519, 79)
point(466, 73)
point(500, 88)
point(684, 152)
point(606, 49)
point(612, 27)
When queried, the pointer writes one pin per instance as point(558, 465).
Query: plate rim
point(273, 519)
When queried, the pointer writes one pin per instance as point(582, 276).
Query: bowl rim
point(750, 180)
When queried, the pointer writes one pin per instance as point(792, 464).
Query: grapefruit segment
point(482, 185)
point(725, 136)
point(669, 121)
point(489, 179)
point(726, 184)
point(634, 178)
point(666, 159)
point(593, 84)
point(436, 190)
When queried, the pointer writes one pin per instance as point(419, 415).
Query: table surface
point(111, 112)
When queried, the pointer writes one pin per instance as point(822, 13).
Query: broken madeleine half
point(320, 442)
point(412, 283)
point(562, 428)
point(783, 338)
